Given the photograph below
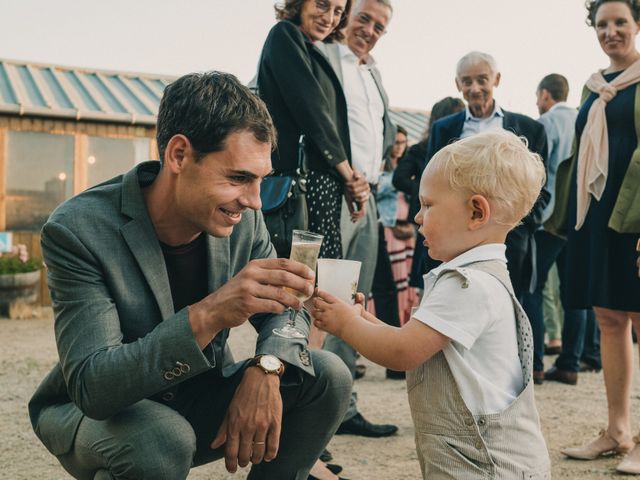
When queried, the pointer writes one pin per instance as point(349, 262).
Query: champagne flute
point(305, 248)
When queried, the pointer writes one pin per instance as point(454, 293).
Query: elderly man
point(148, 273)
point(477, 76)
point(371, 135)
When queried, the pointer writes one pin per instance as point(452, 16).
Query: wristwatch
point(268, 363)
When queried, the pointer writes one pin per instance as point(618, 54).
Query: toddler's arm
point(395, 348)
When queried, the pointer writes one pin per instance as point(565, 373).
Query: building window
point(39, 173)
point(110, 157)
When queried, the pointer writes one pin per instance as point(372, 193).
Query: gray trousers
point(164, 440)
point(359, 242)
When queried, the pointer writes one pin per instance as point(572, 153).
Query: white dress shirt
point(365, 110)
point(473, 125)
point(480, 321)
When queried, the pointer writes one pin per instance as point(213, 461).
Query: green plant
point(12, 264)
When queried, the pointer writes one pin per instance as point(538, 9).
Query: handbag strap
point(302, 158)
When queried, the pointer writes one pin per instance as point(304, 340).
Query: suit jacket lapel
point(140, 236)
point(331, 53)
point(509, 123)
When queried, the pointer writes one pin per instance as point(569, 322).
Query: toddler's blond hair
point(497, 165)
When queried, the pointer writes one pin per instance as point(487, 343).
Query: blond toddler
point(467, 349)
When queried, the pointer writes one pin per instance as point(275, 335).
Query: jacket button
point(468, 421)
point(176, 371)
point(479, 445)
point(304, 358)
point(184, 367)
point(168, 396)
point(169, 375)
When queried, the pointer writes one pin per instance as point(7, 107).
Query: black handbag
point(284, 204)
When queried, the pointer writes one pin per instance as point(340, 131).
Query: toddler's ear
point(480, 211)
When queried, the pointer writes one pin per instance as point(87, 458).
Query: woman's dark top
point(304, 96)
point(407, 174)
point(601, 263)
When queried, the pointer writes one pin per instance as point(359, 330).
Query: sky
point(417, 56)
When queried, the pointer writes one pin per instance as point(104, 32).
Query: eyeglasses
point(365, 19)
point(324, 6)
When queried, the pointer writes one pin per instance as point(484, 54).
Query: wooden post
point(153, 149)
point(80, 154)
point(3, 178)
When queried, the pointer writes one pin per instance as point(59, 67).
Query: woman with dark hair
point(304, 98)
point(406, 179)
point(602, 218)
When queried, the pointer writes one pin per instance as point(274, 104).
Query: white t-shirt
point(476, 312)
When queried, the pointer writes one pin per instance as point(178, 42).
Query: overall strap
point(498, 270)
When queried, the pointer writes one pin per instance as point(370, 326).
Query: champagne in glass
point(305, 248)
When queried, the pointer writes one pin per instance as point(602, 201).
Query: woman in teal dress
point(603, 219)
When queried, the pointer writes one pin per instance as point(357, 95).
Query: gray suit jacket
point(332, 52)
point(117, 334)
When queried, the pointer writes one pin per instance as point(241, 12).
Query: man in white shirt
point(371, 135)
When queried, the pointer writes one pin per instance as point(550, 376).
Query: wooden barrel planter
point(18, 287)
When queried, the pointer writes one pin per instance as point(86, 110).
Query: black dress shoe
point(326, 456)
point(538, 377)
point(395, 375)
point(586, 367)
point(358, 425)
point(562, 376)
point(334, 468)
point(311, 477)
point(360, 371)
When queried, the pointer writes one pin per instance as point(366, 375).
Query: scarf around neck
point(593, 158)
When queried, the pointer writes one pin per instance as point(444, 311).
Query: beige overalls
point(452, 443)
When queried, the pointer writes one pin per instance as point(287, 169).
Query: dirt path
point(569, 414)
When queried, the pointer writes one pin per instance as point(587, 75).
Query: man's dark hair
point(556, 85)
point(207, 108)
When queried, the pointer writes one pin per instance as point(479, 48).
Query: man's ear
point(178, 148)
point(497, 82)
point(480, 212)
point(458, 86)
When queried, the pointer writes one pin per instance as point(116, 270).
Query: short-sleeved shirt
point(476, 312)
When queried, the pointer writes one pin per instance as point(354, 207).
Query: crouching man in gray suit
point(148, 272)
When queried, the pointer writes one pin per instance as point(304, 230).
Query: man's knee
point(147, 440)
point(164, 452)
point(332, 375)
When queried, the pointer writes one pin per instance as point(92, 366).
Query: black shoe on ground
point(358, 425)
point(361, 370)
point(538, 377)
point(395, 375)
point(586, 367)
point(563, 376)
point(326, 456)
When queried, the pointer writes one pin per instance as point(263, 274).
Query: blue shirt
point(559, 125)
point(473, 125)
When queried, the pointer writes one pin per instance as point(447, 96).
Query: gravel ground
point(569, 416)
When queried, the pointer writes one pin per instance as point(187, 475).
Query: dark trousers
point(580, 338)
point(384, 291)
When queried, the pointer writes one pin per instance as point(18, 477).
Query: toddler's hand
point(331, 314)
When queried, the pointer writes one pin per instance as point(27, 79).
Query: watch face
point(270, 362)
